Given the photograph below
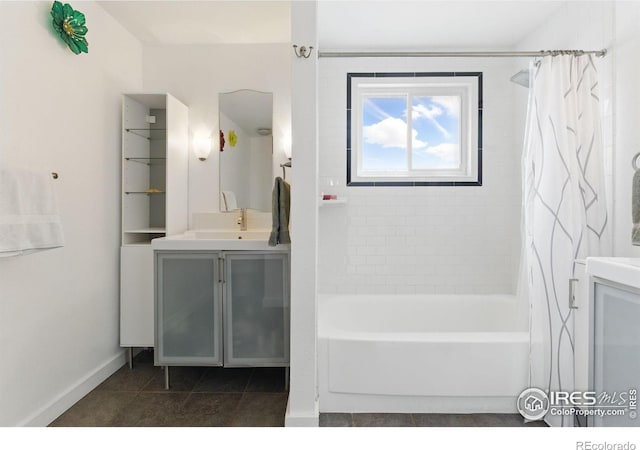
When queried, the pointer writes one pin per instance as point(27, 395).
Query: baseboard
point(311, 420)
point(51, 411)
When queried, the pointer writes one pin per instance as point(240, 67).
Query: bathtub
point(421, 354)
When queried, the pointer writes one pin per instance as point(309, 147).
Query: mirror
point(246, 150)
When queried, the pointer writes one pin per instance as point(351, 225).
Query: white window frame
point(467, 86)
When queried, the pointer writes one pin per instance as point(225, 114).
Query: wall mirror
point(246, 176)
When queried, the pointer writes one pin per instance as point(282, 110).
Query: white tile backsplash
point(423, 240)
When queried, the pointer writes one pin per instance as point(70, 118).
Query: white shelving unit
point(155, 144)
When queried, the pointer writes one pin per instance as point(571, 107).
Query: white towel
point(29, 219)
point(230, 200)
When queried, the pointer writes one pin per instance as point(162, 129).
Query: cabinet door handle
point(220, 269)
point(572, 296)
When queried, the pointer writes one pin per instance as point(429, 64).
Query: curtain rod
point(599, 53)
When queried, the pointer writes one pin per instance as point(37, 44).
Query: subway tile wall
point(434, 240)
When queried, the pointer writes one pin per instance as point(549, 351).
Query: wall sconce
point(286, 143)
point(202, 147)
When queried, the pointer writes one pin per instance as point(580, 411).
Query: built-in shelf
point(146, 133)
point(330, 203)
point(147, 161)
point(150, 230)
point(144, 192)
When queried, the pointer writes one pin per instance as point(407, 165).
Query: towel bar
point(285, 165)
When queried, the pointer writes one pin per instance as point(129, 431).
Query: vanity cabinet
point(256, 293)
point(616, 348)
point(218, 308)
point(188, 309)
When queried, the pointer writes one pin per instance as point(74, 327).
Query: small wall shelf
point(147, 161)
point(332, 203)
point(146, 133)
point(144, 192)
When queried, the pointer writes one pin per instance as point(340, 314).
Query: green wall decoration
point(70, 25)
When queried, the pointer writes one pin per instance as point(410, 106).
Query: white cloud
point(375, 109)
point(448, 153)
point(450, 103)
point(421, 110)
point(391, 132)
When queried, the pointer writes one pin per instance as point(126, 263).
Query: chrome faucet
point(242, 220)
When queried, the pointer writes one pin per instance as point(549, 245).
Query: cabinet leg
point(286, 379)
point(166, 377)
point(130, 358)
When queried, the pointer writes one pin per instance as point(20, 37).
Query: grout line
point(195, 385)
point(246, 386)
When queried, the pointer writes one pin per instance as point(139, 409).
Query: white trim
point(465, 87)
point(56, 407)
point(308, 420)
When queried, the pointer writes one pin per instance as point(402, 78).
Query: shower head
point(521, 78)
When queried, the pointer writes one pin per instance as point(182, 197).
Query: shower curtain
point(564, 213)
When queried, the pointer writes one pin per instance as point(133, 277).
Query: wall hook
point(302, 53)
point(634, 161)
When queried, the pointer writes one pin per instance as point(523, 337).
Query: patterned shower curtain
point(564, 211)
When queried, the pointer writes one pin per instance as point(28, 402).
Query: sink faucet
point(242, 220)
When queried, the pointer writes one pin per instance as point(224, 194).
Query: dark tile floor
point(199, 396)
point(214, 397)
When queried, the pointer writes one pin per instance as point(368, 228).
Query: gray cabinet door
point(188, 309)
point(256, 309)
point(617, 353)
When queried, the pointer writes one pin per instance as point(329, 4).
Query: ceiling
point(342, 24)
point(204, 22)
point(427, 24)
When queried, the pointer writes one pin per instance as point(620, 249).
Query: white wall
point(61, 112)
point(626, 113)
point(196, 74)
point(302, 407)
point(431, 239)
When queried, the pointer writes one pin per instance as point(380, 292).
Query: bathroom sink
point(618, 269)
point(230, 234)
point(218, 240)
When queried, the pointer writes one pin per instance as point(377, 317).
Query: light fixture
point(286, 143)
point(202, 147)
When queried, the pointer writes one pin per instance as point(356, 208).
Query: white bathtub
point(410, 353)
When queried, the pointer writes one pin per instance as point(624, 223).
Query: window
point(414, 129)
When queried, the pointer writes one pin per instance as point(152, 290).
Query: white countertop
point(617, 269)
point(255, 240)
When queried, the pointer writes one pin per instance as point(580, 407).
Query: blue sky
point(435, 142)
